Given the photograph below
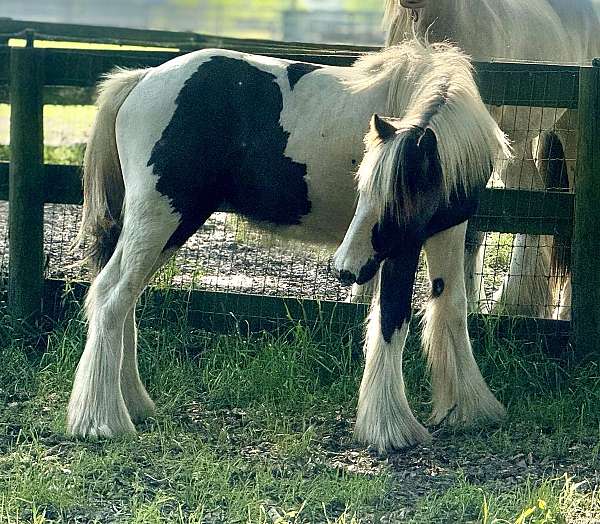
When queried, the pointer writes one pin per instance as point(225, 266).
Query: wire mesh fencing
point(241, 18)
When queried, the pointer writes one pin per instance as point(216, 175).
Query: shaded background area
point(332, 21)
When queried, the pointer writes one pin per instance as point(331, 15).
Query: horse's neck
point(581, 21)
point(477, 26)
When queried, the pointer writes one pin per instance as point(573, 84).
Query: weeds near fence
point(258, 429)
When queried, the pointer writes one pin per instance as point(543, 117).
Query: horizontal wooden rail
point(62, 184)
point(501, 210)
point(520, 211)
point(226, 312)
point(517, 84)
point(60, 95)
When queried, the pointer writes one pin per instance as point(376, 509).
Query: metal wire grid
point(510, 257)
point(228, 255)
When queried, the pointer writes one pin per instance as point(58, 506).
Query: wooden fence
point(36, 76)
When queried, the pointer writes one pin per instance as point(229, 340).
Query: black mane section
point(224, 143)
point(297, 70)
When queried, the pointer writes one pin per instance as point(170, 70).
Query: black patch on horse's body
point(224, 144)
point(397, 283)
point(296, 70)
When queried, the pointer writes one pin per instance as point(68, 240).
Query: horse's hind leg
point(460, 394)
point(97, 406)
point(138, 402)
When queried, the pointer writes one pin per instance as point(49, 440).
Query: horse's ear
point(428, 142)
point(382, 128)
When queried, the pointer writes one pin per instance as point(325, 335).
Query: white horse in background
point(556, 31)
point(279, 142)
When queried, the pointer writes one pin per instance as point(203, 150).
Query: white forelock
point(429, 86)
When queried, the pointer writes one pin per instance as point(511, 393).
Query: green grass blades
point(259, 430)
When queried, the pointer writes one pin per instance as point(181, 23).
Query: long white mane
point(562, 31)
point(430, 86)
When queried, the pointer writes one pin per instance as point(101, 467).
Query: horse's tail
point(553, 169)
point(103, 188)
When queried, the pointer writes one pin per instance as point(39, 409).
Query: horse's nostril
point(347, 278)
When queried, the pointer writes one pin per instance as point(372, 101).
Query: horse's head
point(400, 188)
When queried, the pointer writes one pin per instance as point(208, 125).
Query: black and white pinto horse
point(557, 31)
point(279, 142)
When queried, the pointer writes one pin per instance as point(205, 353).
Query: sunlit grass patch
point(552, 500)
point(55, 44)
point(65, 128)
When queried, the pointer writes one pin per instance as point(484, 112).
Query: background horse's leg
point(539, 264)
point(526, 288)
point(563, 311)
point(138, 402)
point(384, 417)
point(561, 260)
point(97, 407)
point(460, 394)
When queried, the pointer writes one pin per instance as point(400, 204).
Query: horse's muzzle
point(345, 277)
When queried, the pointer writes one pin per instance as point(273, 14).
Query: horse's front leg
point(384, 417)
point(460, 394)
point(474, 260)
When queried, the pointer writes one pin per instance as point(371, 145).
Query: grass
point(259, 430)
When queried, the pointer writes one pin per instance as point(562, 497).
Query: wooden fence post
point(26, 184)
point(586, 234)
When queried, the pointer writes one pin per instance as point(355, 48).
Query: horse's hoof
point(393, 437)
point(99, 431)
point(490, 411)
point(141, 409)
point(85, 425)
